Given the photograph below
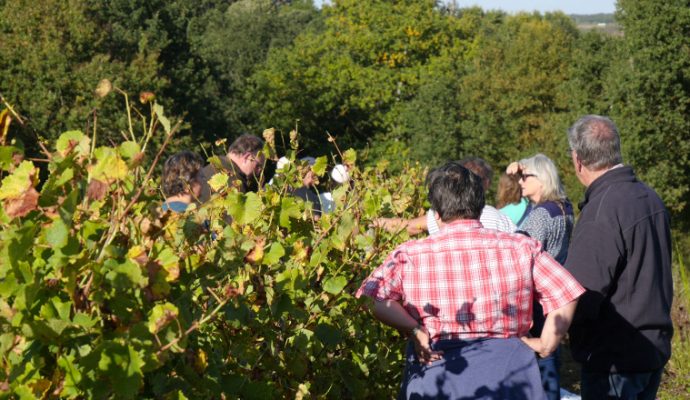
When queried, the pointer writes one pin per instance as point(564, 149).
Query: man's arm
point(593, 258)
point(394, 314)
point(413, 226)
point(556, 325)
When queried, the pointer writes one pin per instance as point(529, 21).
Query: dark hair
point(179, 171)
point(246, 143)
point(509, 190)
point(596, 142)
point(480, 168)
point(455, 192)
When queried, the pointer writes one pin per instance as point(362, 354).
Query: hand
point(536, 345)
point(421, 346)
point(514, 168)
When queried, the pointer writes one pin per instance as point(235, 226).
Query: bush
point(102, 295)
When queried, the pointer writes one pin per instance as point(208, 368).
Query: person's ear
point(576, 160)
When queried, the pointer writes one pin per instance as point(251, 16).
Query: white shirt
point(491, 218)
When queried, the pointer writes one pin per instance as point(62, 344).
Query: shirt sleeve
point(385, 283)
point(554, 286)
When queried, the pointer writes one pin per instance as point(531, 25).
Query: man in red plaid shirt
point(465, 298)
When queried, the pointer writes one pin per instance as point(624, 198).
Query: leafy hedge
point(104, 296)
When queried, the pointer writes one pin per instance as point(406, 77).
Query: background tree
point(650, 97)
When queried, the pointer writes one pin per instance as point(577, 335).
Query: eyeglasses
point(523, 177)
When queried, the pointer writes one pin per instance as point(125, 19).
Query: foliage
point(676, 380)
point(57, 52)
point(256, 26)
point(53, 55)
point(102, 295)
point(348, 76)
point(651, 94)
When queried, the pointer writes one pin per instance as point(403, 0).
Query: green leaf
point(335, 285)
point(57, 234)
point(320, 165)
point(72, 376)
point(121, 365)
point(328, 334)
point(108, 165)
point(65, 176)
point(244, 208)
point(129, 149)
point(288, 209)
point(6, 153)
point(84, 320)
point(350, 157)
point(22, 179)
point(125, 275)
point(343, 232)
point(274, 253)
point(158, 109)
point(161, 315)
point(73, 141)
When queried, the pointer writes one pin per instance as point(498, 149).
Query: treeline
point(402, 80)
point(601, 18)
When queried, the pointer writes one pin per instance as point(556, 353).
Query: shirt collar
point(461, 225)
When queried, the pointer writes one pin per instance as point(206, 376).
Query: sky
point(567, 6)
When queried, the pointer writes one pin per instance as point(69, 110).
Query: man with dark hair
point(243, 163)
point(465, 295)
point(621, 253)
point(490, 217)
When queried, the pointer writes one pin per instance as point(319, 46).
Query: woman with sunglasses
point(550, 221)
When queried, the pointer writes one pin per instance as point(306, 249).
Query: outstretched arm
point(413, 226)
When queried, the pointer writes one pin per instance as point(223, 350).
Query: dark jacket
point(308, 194)
point(236, 178)
point(621, 252)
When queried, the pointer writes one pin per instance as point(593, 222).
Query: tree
point(53, 56)
point(511, 92)
point(650, 95)
point(223, 106)
point(347, 77)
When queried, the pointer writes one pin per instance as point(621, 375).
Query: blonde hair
point(546, 172)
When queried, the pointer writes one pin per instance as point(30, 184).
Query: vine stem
point(45, 151)
point(195, 325)
point(134, 199)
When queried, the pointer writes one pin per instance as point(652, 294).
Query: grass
point(676, 381)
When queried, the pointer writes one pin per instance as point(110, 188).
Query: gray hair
point(546, 172)
point(596, 141)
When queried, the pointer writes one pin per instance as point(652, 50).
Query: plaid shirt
point(469, 282)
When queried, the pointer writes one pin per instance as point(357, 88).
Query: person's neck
point(591, 176)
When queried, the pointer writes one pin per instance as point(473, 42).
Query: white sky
point(567, 6)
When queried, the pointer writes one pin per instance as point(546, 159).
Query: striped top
point(491, 218)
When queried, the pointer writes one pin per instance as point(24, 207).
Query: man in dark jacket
point(621, 253)
point(243, 163)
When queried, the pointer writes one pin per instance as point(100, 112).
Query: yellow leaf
point(22, 179)
point(108, 167)
point(218, 181)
